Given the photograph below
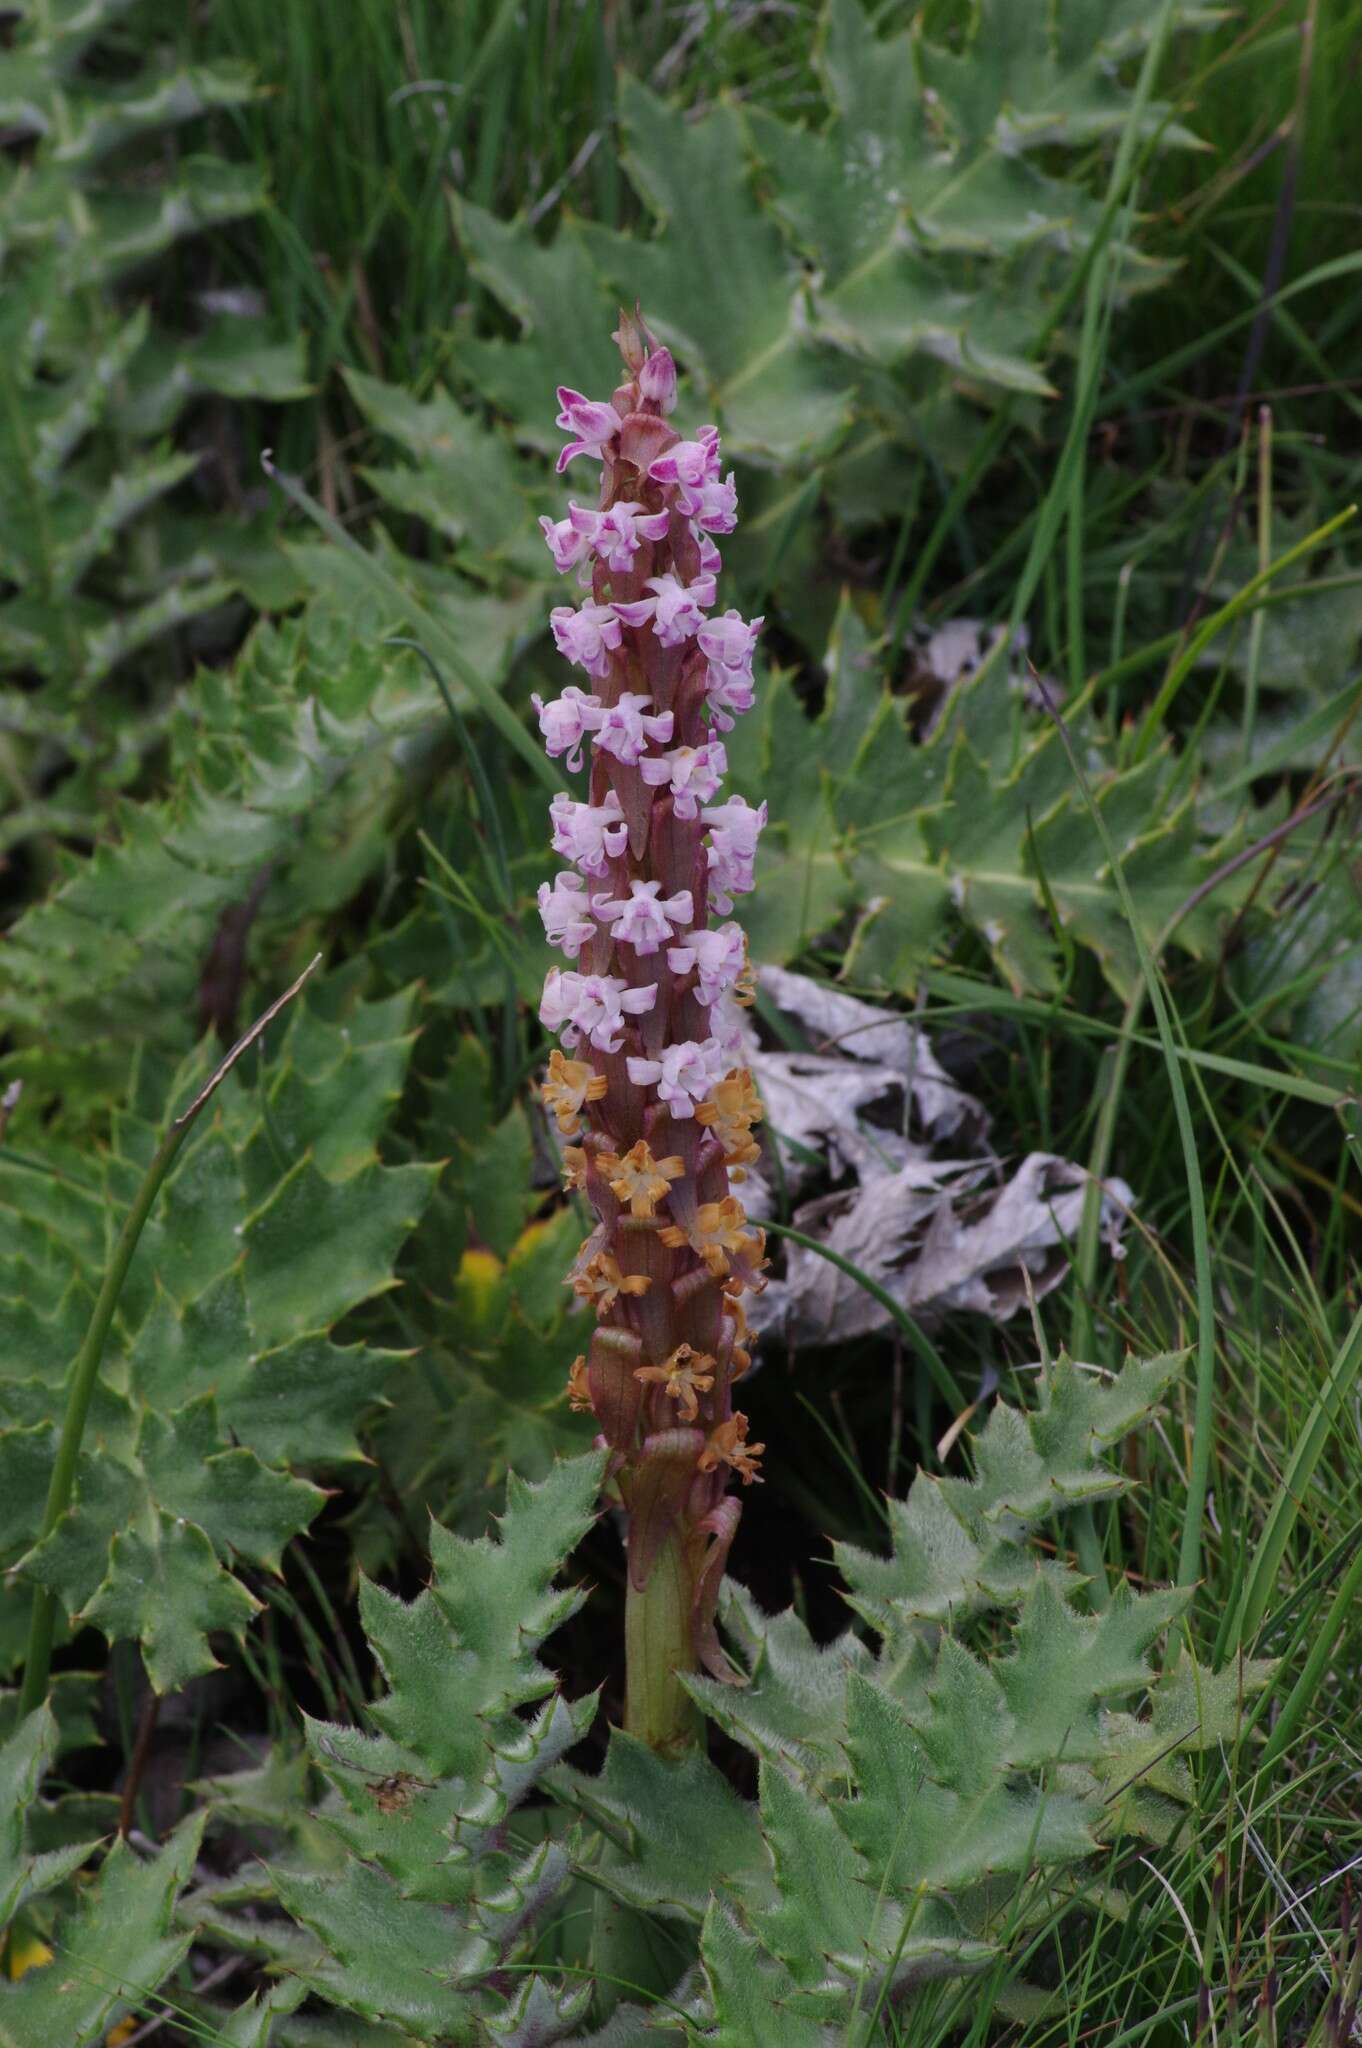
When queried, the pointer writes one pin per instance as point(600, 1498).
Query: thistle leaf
point(24, 1758)
point(685, 1828)
point(718, 282)
point(111, 1953)
point(956, 1542)
point(276, 1220)
point(88, 545)
point(434, 1896)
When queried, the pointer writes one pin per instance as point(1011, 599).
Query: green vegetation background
point(1006, 319)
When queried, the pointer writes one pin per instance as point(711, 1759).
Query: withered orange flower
point(638, 1179)
point(578, 1392)
point(601, 1281)
point(728, 1445)
point(684, 1375)
point(717, 1229)
point(730, 1113)
point(574, 1166)
point(570, 1085)
point(731, 1305)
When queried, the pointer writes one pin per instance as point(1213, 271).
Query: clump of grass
point(372, 115)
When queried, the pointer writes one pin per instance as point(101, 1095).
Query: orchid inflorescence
point(656, 1089)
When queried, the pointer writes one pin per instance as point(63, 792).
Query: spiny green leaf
point(792, 1710)
point(296, 1286)
point(165, 1589)
point(111, 1954)
point(86, 538)
point(1192, 1708)
point(388, 1957)
point(980, 821)
point(24, 1759)
point(235, 358)
point(919, 197)
point(686, 1830)
point(825, 1902)
point(1028, 1463)
point(434, 1898)
point(748, 1993)
point(109, 118)
point(955, 1542)
point(555, 294)
point(717, 281)
point(478, 1587)
point(228, 1370)
point(1066, 1666)
point(467, 479)
point(938, 1803)
point(240, 1504)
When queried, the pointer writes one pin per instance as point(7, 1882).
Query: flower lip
point(592, 1006)
point(564, 909)
point(586, 635)
point(618, 533)
point(688, 462)
point(641, 919)
point(639, 1180)
point(626, 727)
point(734, 829)
point(566, 721)
point(718, 958)
point(683, 1074)
point(684, 1375)
point(714, 505)
point(676, 609)
point(692, 774)
point(569, 539)
point(729, 642)
point(590, 835)
point(566, 1090)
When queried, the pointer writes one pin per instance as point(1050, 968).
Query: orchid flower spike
point(650, 1091)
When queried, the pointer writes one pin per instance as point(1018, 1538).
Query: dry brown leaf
point(938, 1233)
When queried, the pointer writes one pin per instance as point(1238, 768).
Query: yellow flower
point(21, 1952)
point(571, 1084)
point(479, 1273)
point(638, 1179)
point(574, 1166)
point(684, 1375)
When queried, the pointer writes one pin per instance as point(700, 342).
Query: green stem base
point(658, 1652)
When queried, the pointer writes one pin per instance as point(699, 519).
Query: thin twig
point(137, 1762)
point(244, 1044)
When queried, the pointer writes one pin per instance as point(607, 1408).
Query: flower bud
point(657, 380)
